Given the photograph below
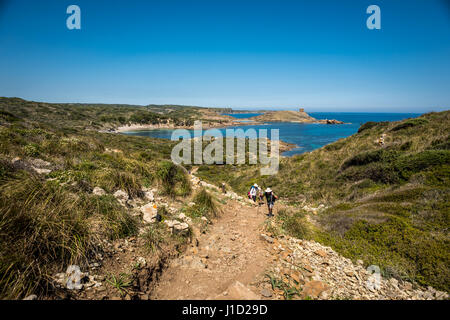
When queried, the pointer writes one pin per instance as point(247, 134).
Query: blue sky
point(227, 53)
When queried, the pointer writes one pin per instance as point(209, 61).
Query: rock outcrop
point(291, 116)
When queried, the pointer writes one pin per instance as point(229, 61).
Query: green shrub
point(335, 146)
point(296, 227)
point(440, 144)
point(31, 150)
point(369, 125)
point(365, 158)
point(380, 172)
point(115, 179)
point(115, 222)
point(8, 116)
point(145, 117)
point(409, 124)
point(293, 223)
point(155, 236)
point(173, 179)
point(410, 164)
point(404, 245)
point(6, 169)
point(204, 205)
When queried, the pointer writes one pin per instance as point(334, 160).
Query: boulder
point(171, 223)
point(238, 291)
point(98, 191)
point(267, 238)
point(142, 262)
point(121, 196)
point(321, 253)
point(150, 213)
point(41, 171)
point(39, 163)
point(408, 286)
point(148, 195)
point(266, 293)
point(181, 228)
point(314, 288)
point(183, 217)
point(72, 279)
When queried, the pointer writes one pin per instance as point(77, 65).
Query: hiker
point(261, 196)
point(252, 192)
point(381, 140)
point(271, 198)
point(224, 190)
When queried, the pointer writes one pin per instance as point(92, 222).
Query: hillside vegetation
point(388, 205)
point(51, 159)
point(385, 204)
point(105, 116)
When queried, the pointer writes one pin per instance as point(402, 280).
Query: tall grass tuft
point(43, 228)
point(174, 181)
point(205, 205)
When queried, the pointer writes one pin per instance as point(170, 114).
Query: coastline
point(208, 125)
point(283, 146)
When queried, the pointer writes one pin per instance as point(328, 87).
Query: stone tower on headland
point(301, 110)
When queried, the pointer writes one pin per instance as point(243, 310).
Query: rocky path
point(225, 262)
point(235, 259)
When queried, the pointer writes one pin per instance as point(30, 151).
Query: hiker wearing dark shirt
point(271, 198)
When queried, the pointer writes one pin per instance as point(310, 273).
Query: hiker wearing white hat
point(252, 192)
point(271, 198)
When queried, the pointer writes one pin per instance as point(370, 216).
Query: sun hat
point(255, 185)
point(268, 190)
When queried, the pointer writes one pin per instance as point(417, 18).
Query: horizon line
point(239, 108)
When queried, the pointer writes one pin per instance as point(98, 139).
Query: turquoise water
point(306, 136)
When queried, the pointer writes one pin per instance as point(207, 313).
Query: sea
point(306, 136)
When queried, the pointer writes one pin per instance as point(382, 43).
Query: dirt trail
point(232, 259)
point(231, 250)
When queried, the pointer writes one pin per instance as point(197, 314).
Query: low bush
point(365, 158)
point(367, 125)
point(409, 124)
point(173, 179)
point(204, 206)
point(410, 164)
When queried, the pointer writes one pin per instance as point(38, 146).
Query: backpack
point(271, 197)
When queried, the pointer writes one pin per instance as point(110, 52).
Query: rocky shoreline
point(171, 126)
point(292, 116)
